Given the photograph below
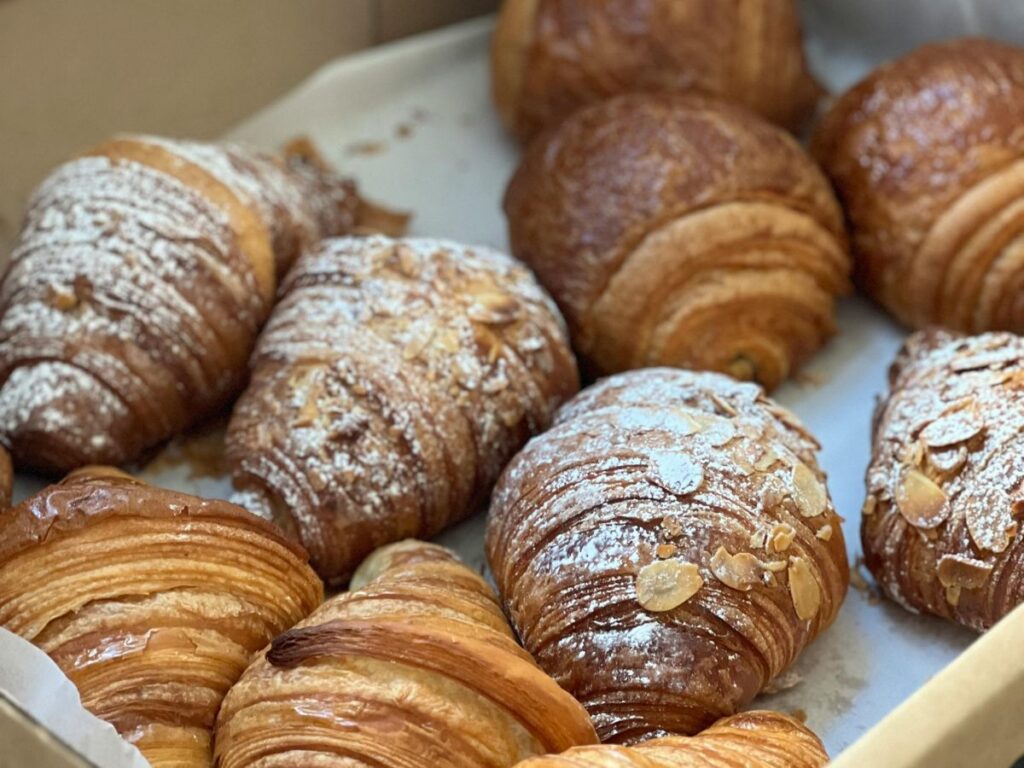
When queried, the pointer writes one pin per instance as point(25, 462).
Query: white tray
point(414, 124)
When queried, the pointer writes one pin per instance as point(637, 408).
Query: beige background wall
point(75, 71)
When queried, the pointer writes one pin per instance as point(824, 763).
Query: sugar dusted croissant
point(757, 739)
point(928, 158)
point(391, 385)
point(940, 524)
point(140, 279)
point(666, 549)
point(551, 57)
point(417, 666)
point(151, 601)
point(678, 230)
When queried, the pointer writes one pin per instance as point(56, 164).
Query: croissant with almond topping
point(392, 383)
point(684, 231)
point(415, 666)
point(151, 601)
point(135, 292)
point(940, 525)
point(757, 739)
point(666, 549)
point(927, 156)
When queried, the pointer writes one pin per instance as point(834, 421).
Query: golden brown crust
point(6, 479)
point(151, 601)
point(756, 739)
point(678, 230)
point(925, 154)
point(551, 57)
point(940, 525)
point(142, 275)
point(666, 549)
point(394, 380)
point(418, 662)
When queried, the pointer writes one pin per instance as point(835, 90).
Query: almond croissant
point(940, 526)
point(679, 230)
point(416, 666)
point(551, 57)
point(757, 739)
point(151, 601)
point(927, 155)
point(666, 549)
point(141, 276)
point(391, 385)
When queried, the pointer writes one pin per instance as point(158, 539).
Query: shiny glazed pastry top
point(666, 549)
point(946, 481)
point(680, 230)
point(927, 156)
point(550, 57)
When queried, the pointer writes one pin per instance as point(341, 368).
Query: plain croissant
point(927, 155)
point(151, 601)
point(666, 549)
point(550, 57)
point(680, 230)
point(416, 666)
point(140, 279)
point(392, 383)
point(940, 526)
point(756, 739)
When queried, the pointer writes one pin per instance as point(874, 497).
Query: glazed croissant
point(666, 549)
point(141, 276)
point(151, 601)
point(417, 666)
point(391, 385)
point(757, 739)
point(928, 158)
point(678, 230)
point(551, 57)
point(940, 524)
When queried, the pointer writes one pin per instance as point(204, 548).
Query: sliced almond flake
point(741, 571)
point(671, 526)
point(953, 595)
point(675, 472)
point(775, 566)
point(667, 584)
point(957, 427)
point(494, 307)
point(803, 589)
point(948, 460)
point(766, 460)
point(723, 405)
point(782, 536)
point(869, 505)
point(990, 521)
point(912, 453)
point(961, 571)
point(684, 423)
point(824, 533)
point(920, 500)
point(985, 360)
point(808, 491)
point(759, 538)
point(666, 550)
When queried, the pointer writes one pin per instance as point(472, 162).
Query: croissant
point(141, 277)
point(666, 549)
point(940, 523)
point(6, 479)
point(151, 601)
point(551, 57)
point(416, 666)
point(391, 385)
point(757, 739)
point(928, 158)
point(679, 230)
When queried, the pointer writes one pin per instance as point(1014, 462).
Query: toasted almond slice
point(803, 589)
point(666, 584)
point(493, 307)
point(666, 550)
point(953, 595)
point(675, 472)
point(920, 500)
point(951, 429)
point(948, 460)
point(741, 571)
point(961, 571)
point(808, 491)
point(759, 538)
point(824, 533)
point(869, 505)
point(782, 536)
point(989, 517)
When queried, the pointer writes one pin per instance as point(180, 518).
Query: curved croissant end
point(940, 524)
point(550, 58)
point(757, 739)
point(416, 666)
point(151, 601)
point(140, 279)
point(666, 549)
point(393, 381)
point(661, 251)
point(934, 185)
